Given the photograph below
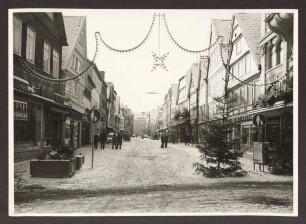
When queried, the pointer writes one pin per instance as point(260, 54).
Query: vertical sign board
point(93, 116)
point(260, 149)
point(258, 155)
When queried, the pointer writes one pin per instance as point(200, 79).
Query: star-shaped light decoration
point(159, 61)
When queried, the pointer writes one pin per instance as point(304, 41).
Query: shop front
point(73, 129)
point(278, 129)
point(38, 123)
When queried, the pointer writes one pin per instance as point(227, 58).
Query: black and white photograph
point(153, 112)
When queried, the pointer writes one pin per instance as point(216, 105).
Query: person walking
point(162, 141)
point(186, 138)
point(102, 139)
point(119, 141)
point(166, 140)
point(96, 140)
point(114, 142)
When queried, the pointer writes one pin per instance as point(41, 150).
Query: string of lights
point(134, 48)
point(41, 77)
point(219, 39)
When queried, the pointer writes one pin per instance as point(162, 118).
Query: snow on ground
point(142, 177)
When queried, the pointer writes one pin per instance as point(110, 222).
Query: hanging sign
point(93, 116)
point(20, 110)
point(204, 64)
point(259, 120)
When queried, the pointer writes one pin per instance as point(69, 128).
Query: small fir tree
point(219, 152)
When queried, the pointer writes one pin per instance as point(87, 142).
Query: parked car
point(133, 135)
point(144, 136)
point(109, 138)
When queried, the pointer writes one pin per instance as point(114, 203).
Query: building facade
point(77, 94)
point(39, 109)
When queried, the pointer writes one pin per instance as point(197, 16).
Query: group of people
point(164, 140)
point(116, 140)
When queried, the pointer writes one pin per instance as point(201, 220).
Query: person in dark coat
point(114, 142)
point(166, 140)
point(96, 140)
point(103, 139)
point(119, 141)
point(162, 139)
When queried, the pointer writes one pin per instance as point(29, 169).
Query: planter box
point(52, 168)
point(80, 159)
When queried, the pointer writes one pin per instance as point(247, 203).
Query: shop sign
point(93, 116)
point(243, 118)
point(20, 110)
point(204, 64)
point(259, 120)
point(260, 150)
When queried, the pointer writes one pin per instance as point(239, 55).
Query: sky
point(131, 72)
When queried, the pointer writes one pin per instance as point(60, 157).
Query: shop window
point(27, 125)
point(30, 48)
point(47, 56)
point(17, 35)
point(245, 136)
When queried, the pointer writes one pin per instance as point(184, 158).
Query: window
point(273, 57)
point(47, 53)
point(30, 52)
point(256, 91)
point(236, 98)
point(247, 64)
point(55, 70)
point(76, 64)
point(238, 46)
point(17, 35)
point(240, 69)
point(250, 91)
point(242, 97)
point(281, 52)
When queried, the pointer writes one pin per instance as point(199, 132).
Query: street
point(144, 178)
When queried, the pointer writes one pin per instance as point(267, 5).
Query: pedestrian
point(96, 140)
point(114, 142)
point(186, 138)
point(162, 141)
point(166, 140)
point(102, 139)
point(119, 141)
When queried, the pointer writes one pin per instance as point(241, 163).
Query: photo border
point(148, 219)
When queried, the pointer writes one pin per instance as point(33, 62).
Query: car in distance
point(144, 136)
point(109, 138)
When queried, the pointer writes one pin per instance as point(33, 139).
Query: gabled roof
point(73, 26)
point(222, 27)
point(250, 25)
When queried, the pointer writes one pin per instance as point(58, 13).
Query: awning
point(36, 99)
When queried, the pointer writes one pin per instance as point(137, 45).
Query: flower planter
point(52, 168)
point(80, 159)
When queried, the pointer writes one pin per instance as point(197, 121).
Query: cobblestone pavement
point(143, 178)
